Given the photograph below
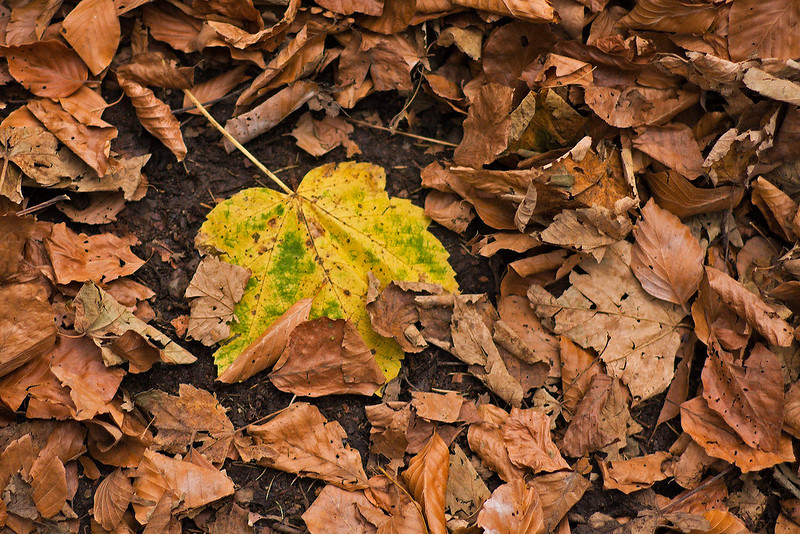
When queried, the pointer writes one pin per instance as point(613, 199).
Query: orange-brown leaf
point(750, 307)
point(527, 437)
point(27, 329)
point(327, 357)
point(426, 477)
point(49, 482)
point(92, 28)
point(533, 11)
point(155, 116)
point(486, 439)
point(216, 87)
point(667, 259)
point(47, 68)
point(111, 499)
point(677, 194)
point(513, 508)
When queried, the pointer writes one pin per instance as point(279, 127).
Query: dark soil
point(166, 222)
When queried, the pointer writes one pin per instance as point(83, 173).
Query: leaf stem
point(236, 143)
point(400, 132)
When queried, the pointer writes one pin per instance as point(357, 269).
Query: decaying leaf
point(215, 289)
point(300, 440)
point(527, 437)
point(327, 357)
point(297, 247)
point(27, 329)
point(426, 477)
point(513, 508)
point(338, 510)
point(92, 28)
point(111, 499)
point(607, 310)
point(466, 490)
point(634, 474)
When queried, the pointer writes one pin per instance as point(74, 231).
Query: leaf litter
point(631, 170)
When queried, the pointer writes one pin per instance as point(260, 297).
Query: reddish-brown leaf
point(47, 68)
point(426, 477)
point(513, 508)
point(111, 499)
point(92, 28)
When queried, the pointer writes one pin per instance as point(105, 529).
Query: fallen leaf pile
point(631, 169)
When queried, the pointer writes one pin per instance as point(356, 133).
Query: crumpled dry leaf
point(389, 429)
point(513, 508)
point(590, 230)
point(486, 128)
point(486, 439)
point(558, 492)
point(634, 474)
point(527, 437)
point(750, 307)
point(747, 395)
point(97, 314)
point(92, 28)
point(466, 490)
point(667, 259)
point(327, 357)
point(444, 408)
point(763, 29)
point(27, 329)
point(711, 432)
point(265, 350)
point(193, 416)
point(320, 137)
point(300, 440)
point(449, 210)
point(601, 419)
point(337, 510)
point(111, 499)
point(155, 115)
point(426, 477)
point(578, 366)
point(214, 290)
point(674, 146)
point(778, 208)
point(538, 11)
point(99, 258)
point(156, 68)
point(678, 195)
point(216, 88)
point(635, 335)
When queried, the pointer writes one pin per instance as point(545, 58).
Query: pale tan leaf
point(100, 258)
point(320, 137)
point(536, 11)
point(748, 396)
point(763, 29)
point(265, 116)
point(750, 307)
point(214, 290)
point(527, 437)
point(678, 195)
point(466, 490)
point(348, 7)
point(268, 347)
point(111, 499)
point(92, 28)
point(92, 145)
point(426, 477)
point(711, 432)
point(48, 69)
point(667, 259)
point(513, 508)
point(327, 357)
point(193, 416)
point(300, 440)
point(637, 105)
point(606, 309)
point(589, 230)
point(155, 116)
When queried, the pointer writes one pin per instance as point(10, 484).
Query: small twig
point(43, 205)
point(236, 143)
point(784, 481)
point(702, 486)
point(399, 132)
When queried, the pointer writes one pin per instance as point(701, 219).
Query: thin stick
point(43, 205)
point(236, 143)
point(399, 132)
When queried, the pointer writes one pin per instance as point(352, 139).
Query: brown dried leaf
point(92, 145)
point(536, 11)
point(711, 432)
point(486, 128)
point(634, 474)
point(81, 258)
point(92, 28)
point(444, 408)
point(48, 69)
point(606, 309)
point(426, 477)
point(327, 357)
point(49, 483)
point(214, 290)
point(674, 146)
point(527, 437)
point(449, 210)
point(320, 137)
point(216, 88)
point(589, 230)
point(670, 16)
point(393, 19)
point(466, 490)
point(667, 259)
point(389, 428)
point(601, 419)
point(348, 7)
point(300, 440)
point(778, 208)
point(86, 106)
point(558, 493)
point(111, 499)
point(27, 329)
point(513, 508)
point(638, 106)
point(155, 116)
point(678, 195)
point(486, 439)
point(763, 29)
point(155, 68)
point(268, 347)
point(578, 366)
point(750, 307)
point(193, 416)
point(748, 395)
point(337, 510)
